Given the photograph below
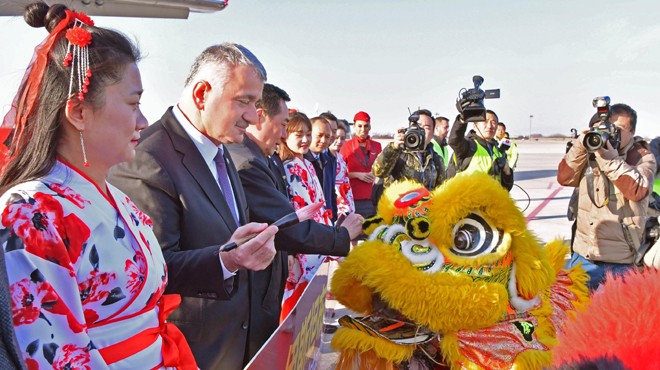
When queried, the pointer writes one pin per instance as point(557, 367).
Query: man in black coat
point(185, 180)
point(324, 162)
point(267, 198)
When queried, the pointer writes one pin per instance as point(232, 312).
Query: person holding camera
point(507, 145)
point(613, 170)
point(411, 155)
point(439, 140)
point(478, 151)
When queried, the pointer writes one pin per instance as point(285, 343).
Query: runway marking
point(542, 205)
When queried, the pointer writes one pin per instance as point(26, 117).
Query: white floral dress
point(345, 203)
point(304, 189)
point(86, 277)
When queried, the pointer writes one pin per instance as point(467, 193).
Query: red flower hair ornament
point(84, 18)
point(77, 55)
point(79, 36)
point(25, 100)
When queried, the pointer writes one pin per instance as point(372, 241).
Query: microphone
point(505, 144)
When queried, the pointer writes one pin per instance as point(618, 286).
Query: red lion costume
point(620, 329)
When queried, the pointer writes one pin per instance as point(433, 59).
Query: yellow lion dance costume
point(453, 279)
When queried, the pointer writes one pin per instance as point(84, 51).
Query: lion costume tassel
point(453, 279)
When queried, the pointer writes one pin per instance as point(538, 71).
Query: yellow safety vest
point(482, 161)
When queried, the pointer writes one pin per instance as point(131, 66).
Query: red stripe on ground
point(542, 205)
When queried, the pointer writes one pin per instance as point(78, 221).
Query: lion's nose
point(418, 227)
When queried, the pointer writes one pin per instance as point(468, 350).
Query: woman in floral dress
point(345, 203)
point(304, 189)
point(85, 270)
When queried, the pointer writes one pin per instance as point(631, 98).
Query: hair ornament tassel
point(77, 56)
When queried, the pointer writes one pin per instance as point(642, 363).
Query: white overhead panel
point(125, 8)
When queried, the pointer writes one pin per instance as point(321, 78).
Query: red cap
point(362, 116)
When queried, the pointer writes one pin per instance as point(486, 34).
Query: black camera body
point(472, 101)
point(414, 135)
point(650, 237)
point(605, 131)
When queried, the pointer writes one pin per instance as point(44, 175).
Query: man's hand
point(506, 169)
point(398, 139)
point(353, 223)
point(367, 177)
point(460, 105)
point(607, 152)
point(255, 254)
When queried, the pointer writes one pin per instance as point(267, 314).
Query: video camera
point(414, 135)
point(472, 101)
point(605, 131)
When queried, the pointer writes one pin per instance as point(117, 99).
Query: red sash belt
point(175, 350)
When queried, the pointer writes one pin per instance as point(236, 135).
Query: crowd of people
point(116, 232)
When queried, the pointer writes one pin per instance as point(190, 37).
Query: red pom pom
point(84, 89)
point(79, 36)
point(86, 81)
point(86, 164)
point(88, 73)
point(67, 59)
point(84, 18)
point(81, 96)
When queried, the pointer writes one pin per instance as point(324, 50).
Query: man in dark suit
point(325, 164)
point(267, 197)
point(184, 179)
point(10, 354)
point(330, 170)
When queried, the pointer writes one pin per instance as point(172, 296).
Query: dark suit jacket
point(266, 193)
point(329, 182)
point(169, 181)
point(277, 168)
point(267, 203)
point(10, 354)
point(317, 163)
point(326, 171)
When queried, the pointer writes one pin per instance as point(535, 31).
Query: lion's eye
point(473, 236)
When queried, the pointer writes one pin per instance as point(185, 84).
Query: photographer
point(411, 155)
point(478, 152)
point(614, 178)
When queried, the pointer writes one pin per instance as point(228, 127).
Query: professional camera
point(472, 101)
point(569, 144)
point(649, 239)
point(605, 131)
point(414, 135)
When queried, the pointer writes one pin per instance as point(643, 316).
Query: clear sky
point(549, 58)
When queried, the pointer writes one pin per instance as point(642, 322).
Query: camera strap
point(610, 195)
point(607, 184)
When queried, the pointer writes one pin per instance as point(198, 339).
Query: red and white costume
point(345, 202)
point(304, 189)
point(87, 278)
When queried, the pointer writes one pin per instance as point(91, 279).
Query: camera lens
point(593, 141)
point(412, 141)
